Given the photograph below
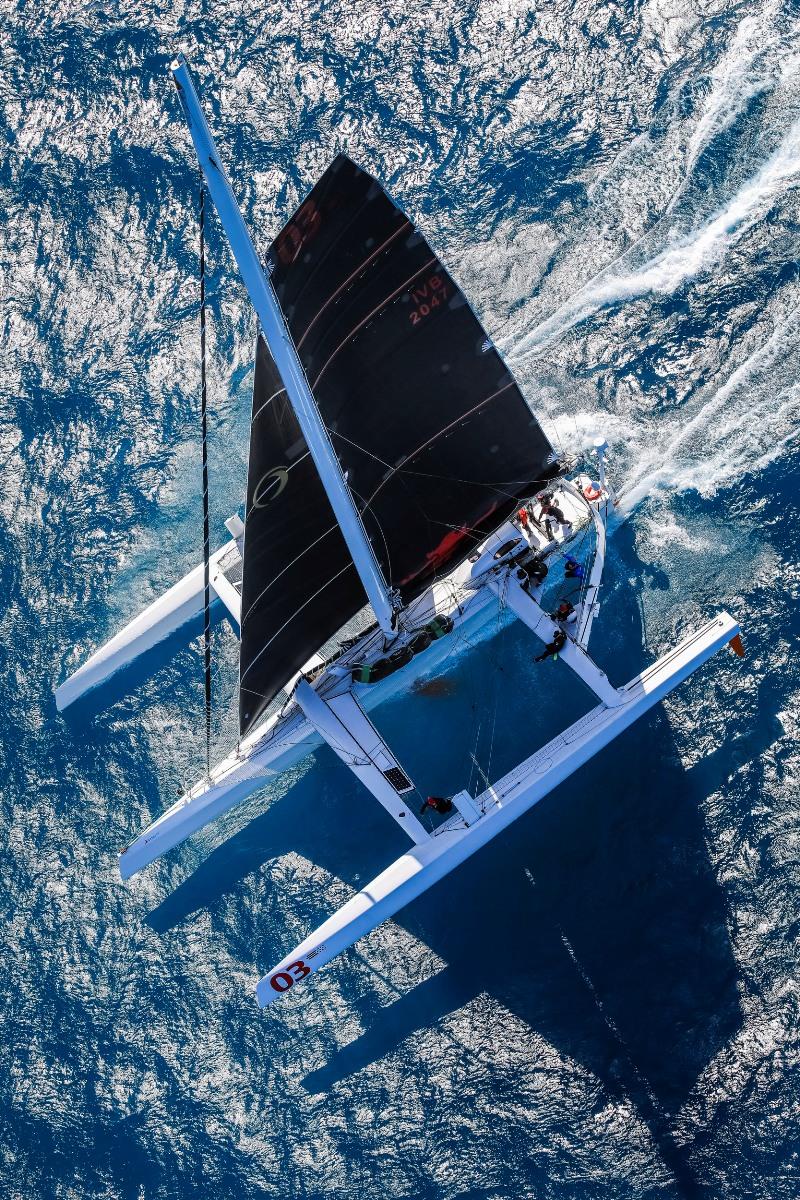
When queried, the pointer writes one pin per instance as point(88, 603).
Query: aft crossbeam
point(347, 729)
point(424, 865)
point(511, 592)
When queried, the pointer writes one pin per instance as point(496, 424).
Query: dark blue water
point(605, 1002)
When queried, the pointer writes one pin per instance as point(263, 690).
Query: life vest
point(592, 491)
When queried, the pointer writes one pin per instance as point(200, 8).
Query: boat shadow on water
point(599, 924)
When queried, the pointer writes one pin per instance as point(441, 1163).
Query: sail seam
point(288, 567)
point(296, 613)
point(274, 396)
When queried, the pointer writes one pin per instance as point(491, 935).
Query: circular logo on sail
point(270, 486)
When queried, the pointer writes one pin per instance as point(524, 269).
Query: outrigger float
point(399, 490)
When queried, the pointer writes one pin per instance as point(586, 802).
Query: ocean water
point(605, 1002)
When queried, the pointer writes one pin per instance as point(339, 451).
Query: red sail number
point(427, 296)
point(299, 232)
point(281, 981)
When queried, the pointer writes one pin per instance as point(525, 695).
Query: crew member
point(552, 513)
point(440, 804)
point(552, 648)
point(565, 613)
point(572, 568)
point(532, 573)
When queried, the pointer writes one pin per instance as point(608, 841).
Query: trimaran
point(393, 460)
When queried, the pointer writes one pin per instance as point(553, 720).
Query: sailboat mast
point(283, 351)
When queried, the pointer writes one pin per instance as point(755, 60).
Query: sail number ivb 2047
point(426, 297)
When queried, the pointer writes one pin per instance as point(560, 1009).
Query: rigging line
point(390, 576)
point(425, 445)
point(551, 420)
point(477, 725)
point(204, 436)
point(401, 470)
point(501, 487)
point(334, 433)
point(430, 521)
point(498, 640)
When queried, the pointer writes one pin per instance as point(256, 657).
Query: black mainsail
point(300, 584)
point(436, 439)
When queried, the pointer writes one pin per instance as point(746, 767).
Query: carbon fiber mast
point(283, 351)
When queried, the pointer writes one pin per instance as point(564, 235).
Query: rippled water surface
point(604, 1003)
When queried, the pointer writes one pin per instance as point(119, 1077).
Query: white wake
point(684, 260)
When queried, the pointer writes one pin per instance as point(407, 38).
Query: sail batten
point(435, 441)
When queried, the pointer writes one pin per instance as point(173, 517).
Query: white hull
point(489, 814)
point(166, 615)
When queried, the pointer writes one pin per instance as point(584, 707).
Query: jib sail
point(436, 440)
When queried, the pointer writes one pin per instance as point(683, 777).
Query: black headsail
point(435, 437)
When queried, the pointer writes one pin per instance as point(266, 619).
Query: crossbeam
point(347, 729)
point(227, 593)
point(424, 865)
point(510, 591)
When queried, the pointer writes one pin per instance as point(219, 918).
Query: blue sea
point(602, 1005)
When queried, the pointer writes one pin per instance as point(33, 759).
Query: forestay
point(436, 440)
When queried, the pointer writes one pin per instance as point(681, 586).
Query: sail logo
point(426, 297)
point(270, 486)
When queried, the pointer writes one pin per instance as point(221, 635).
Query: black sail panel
point(299, 582)
point(436, 439)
